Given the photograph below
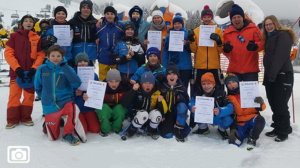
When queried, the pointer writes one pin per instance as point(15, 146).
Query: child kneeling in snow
point(148, 107)
point(54, 83)
point(222, 107)
point(249, 123)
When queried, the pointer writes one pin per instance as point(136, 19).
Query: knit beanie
point(152, 50)
point(81, 57)
point(147, 77)
point(135, 9)
point(207, 12)
point(44, 21)
point(128, 25)
point(178, 18)
point(236, 10)
point(172, 68)
point(110, 9)
point(157, 12)
point(208, 77)
point(86, 3)
point(231, 77)
point(27, 16)
point(113, 74)
point(60, 8)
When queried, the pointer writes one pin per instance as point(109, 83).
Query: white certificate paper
point(63, 34)
point(95, 92)
point(204, 110)
point(154, 38)
point(204, 35)
point(85, 74)
point(249, 90)
point(176, 41)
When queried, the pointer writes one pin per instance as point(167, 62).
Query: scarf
point(160, 27)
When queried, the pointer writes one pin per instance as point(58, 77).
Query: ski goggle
point(241, 38)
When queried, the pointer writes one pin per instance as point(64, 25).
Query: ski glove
point(259, 100)
point(216, 37)
point(20, 72)
point(51, 39)
point(31, 73)
point(190, 35)
point(252, 46)
point(227, 47)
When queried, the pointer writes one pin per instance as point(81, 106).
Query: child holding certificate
point(112, 114)
point(87, 116)
point(175, 94)
point(222, 107)
point(54, 83)
point(249, 123)
point(152, 65)
point(148, 107)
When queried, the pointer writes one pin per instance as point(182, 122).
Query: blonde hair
point(278, 26)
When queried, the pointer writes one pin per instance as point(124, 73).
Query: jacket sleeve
point(116, 57)
point(192, 103)
point(71, 76)
point(139, 56)
point(281, 55)
point(38, 82)
point(220, 47)
point(258, 39)
point(40, 56)
point(194, 45)
point(225, 111)
point(9, 54)
point(130, 97)
point(165, 58)
point(137, 75)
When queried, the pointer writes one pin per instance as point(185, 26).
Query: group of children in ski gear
point(152, 94)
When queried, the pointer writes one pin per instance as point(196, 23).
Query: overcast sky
point(280, 8)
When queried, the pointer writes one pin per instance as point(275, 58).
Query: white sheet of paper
point(63, 34)
point(95, 92)
point(154, 38)
point(176, 41)
point(85, 74)
point(204, 109)
point(204, 35)
point(249, 90)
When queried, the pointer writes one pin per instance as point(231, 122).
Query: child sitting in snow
point(249, 123)
point(175, 94)
point(54, 83)
point(148, 107)
point(222, 108)
point(87, 116)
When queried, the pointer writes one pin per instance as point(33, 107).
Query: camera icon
point(18, 154)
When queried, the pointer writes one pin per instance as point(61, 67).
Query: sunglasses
point(241, 38)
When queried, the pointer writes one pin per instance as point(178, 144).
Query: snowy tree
point(146, 13)
point(96, 9)
point(66, 2)
point(194, 20)
point(14, 21)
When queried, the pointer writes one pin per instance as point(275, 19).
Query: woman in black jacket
point(278, 76)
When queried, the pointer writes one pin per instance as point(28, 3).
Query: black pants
point(252, 76)
point(278, 94)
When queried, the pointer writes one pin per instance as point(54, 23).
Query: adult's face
point(157, 20)
point(237, 21)
point(269, 25)
point(85, 12)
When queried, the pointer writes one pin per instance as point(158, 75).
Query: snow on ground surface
point(198, 151)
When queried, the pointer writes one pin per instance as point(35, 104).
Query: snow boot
point(152, 132)
point(71, 139)
point(10, 126)
point(103, 134)
point(251, 143)
point(128, 132)
point(202, 131)
point(281, 138)
point(223, 134)
point(179, 133)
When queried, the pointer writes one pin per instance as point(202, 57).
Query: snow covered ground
point(111, 151)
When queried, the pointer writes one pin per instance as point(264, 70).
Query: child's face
point(207, 87)
point(110, 17)
point(153, 59)
point(177, 25)
point(60, 16)
point(147, 86)
point(232, 85)
point(129, 32)
point(44, 25)
point(55, 57)
point(172, 79)
point(113, 84)
point(27, 24)
point(136, 15)
point(82, 63)
point(206, 19)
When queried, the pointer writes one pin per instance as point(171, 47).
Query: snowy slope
point(199, 151)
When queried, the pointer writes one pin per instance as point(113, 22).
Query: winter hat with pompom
point(207, 12)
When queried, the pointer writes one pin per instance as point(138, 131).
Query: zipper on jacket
point(114, 39)
point(207, 57)
point(27, 42)
point(54, 84)
point(84, 36)
point(107, 39)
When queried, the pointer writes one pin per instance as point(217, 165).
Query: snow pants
point(73, 123)
point(90, 121)
point(103, 69)
point(111, 117)
point(142, 116)
point(17, 111)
